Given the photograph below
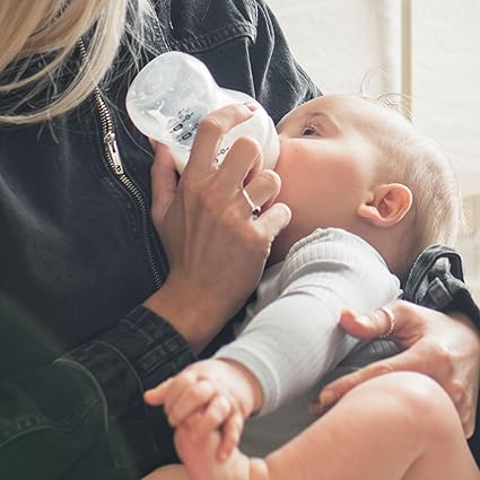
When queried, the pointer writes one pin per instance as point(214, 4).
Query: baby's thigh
point(169, 472)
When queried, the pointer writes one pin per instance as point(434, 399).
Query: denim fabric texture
point(436, 281)
point(79, 255)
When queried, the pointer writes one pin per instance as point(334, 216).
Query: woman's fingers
point(216, 243)
point(243, 163)
point(264, 188)
point(210, 133)
point(244, 160)
point(272, 221)
point(334, 391)
point(445, 348)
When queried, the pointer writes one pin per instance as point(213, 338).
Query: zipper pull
point(111, 144)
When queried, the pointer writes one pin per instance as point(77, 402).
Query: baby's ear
point(390, 203)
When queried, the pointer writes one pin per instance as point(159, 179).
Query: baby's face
point(327, 162)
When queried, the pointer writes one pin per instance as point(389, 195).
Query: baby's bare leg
point(170, 472)
point(200, 459)
point(400, 426)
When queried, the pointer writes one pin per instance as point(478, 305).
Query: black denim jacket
point(79, 255)
point(436, 281)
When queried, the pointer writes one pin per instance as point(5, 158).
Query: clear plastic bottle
point(173, 92)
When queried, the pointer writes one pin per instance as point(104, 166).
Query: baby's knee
point(169, 472)
point(416, 390)
point(422, 402)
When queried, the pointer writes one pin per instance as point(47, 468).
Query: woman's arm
point(91, 398)
point(76, 413)
point(216, 253)
point(216, 249)
point(83, 415)
point(444, 347)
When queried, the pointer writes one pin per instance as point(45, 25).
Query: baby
point(367, 195)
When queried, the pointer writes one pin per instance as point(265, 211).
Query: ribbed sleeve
point(292, 338)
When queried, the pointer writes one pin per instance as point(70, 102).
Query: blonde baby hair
point(417, 161)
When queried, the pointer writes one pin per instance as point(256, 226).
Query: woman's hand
point(446, 348)
point(215, 247)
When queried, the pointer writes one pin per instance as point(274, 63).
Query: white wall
point(339, 41)
point(446, 80)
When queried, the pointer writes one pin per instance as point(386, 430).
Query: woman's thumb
point(374, 324)
point(399, 321)
point(363, 326)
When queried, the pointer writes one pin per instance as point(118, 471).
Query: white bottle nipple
point(173, 92)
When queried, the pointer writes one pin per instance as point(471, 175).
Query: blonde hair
point(419, 162)
point(48, 31)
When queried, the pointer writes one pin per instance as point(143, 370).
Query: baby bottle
point(172, 93)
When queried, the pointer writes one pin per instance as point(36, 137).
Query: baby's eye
point(309, 130)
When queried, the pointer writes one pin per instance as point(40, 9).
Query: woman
point(88, 318)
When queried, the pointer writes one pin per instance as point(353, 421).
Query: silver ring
point(256, 212)
point(256, 209)
point(391, 319)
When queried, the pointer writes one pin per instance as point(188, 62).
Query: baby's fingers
point(156, 396)
point(218, 410)
point(196, 396)
point(231, 432)
point(169, 392)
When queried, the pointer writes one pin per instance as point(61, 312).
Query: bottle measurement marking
point(179, 128)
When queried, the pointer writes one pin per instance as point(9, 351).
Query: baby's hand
point(209, 395)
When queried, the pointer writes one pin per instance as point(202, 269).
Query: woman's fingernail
point(456, 398)
point(252, 106)
point(364, 321)
point(325, 402)
point(466, 417)
point(327, 398)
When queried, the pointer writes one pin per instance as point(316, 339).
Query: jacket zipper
point(114, 161)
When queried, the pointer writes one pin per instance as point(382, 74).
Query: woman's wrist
point(191, 314)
